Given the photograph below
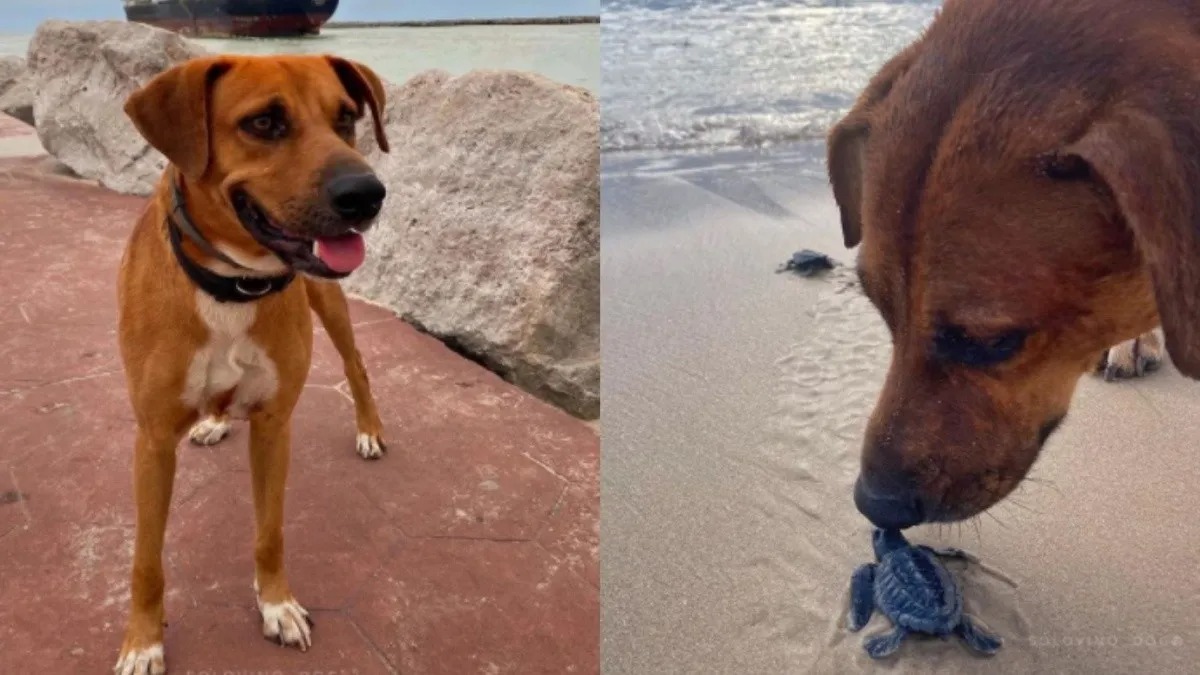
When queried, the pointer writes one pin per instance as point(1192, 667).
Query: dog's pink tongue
point(342, 254)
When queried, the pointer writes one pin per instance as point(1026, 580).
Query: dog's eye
point(270, 125)
point(952, 343)
point(345, 121)
point(1064, 167)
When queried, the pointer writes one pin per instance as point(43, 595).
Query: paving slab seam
point(185, 499)
point(12, 474)
point(562, 495)
point(547, 468)
point(252, 609)
point(253, 617)
point(388, 515)
point(65, 380)
point(330, 387)
point(372, 322)
point(334, 388)
point(586, 582)
point(343, 388)
point(392, 668)
point(252, 614)
point(467, 537)
point(50, 523)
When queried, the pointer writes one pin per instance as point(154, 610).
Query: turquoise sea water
point(566, 53)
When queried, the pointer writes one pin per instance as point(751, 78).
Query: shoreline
point(808, 153)
point(449, 23)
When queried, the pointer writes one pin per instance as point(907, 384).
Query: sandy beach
point(734, 403)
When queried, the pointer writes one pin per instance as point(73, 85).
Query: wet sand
point(734, 402)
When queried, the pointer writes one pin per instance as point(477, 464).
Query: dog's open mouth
point(331, 257)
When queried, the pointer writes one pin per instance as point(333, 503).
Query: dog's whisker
point(993, 517)
point(1045, 482)
point(1022, 505)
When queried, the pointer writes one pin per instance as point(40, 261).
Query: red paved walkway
point(470, 548)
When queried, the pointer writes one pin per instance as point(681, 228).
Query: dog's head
point(266, 145)
point(1015, 217)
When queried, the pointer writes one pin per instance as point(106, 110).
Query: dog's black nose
point(356, 196)
point(895, 507)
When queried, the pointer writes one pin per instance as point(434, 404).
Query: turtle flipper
point(884, 644)
point(862, 596)
point(951, 552)
point(977, 638)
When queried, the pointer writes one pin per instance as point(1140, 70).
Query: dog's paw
point(210, 430)
point(370, 446)
point(286, 623)
point(1133, 358)
point(144, 661)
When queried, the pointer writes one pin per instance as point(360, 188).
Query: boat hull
point(234, 18)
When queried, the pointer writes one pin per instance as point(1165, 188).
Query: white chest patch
point(229, 361)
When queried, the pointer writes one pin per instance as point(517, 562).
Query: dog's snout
point(892, 504)
point(356, 196)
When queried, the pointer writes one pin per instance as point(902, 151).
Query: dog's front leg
point(329, 302)
point(284, 620)
point(154, 477)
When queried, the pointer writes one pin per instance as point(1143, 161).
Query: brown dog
point(264, 182)
point(1024, 181)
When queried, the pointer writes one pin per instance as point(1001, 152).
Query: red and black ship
point(228, 18)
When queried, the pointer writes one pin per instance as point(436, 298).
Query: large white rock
point(16, 90)
point(490, 237)
point(82, 73)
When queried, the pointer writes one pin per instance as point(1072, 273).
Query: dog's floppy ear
point(1153, 174)
point(847, 142)
point(364, 86)
point(171, 112)
point(846, 150)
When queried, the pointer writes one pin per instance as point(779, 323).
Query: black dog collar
point(220, 287)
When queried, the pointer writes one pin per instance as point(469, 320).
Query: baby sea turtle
point(913, 589)
point(806, 263)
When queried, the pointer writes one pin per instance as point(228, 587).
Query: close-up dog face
point(1005, 288)
point(271, 140)
point(1007, 235)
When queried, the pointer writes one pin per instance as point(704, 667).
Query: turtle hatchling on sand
point(913, 589)
point(806, 263)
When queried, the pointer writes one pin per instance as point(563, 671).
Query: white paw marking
point(286, 623)
point(210, 430)
point(148, 661)
point(369, 446)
